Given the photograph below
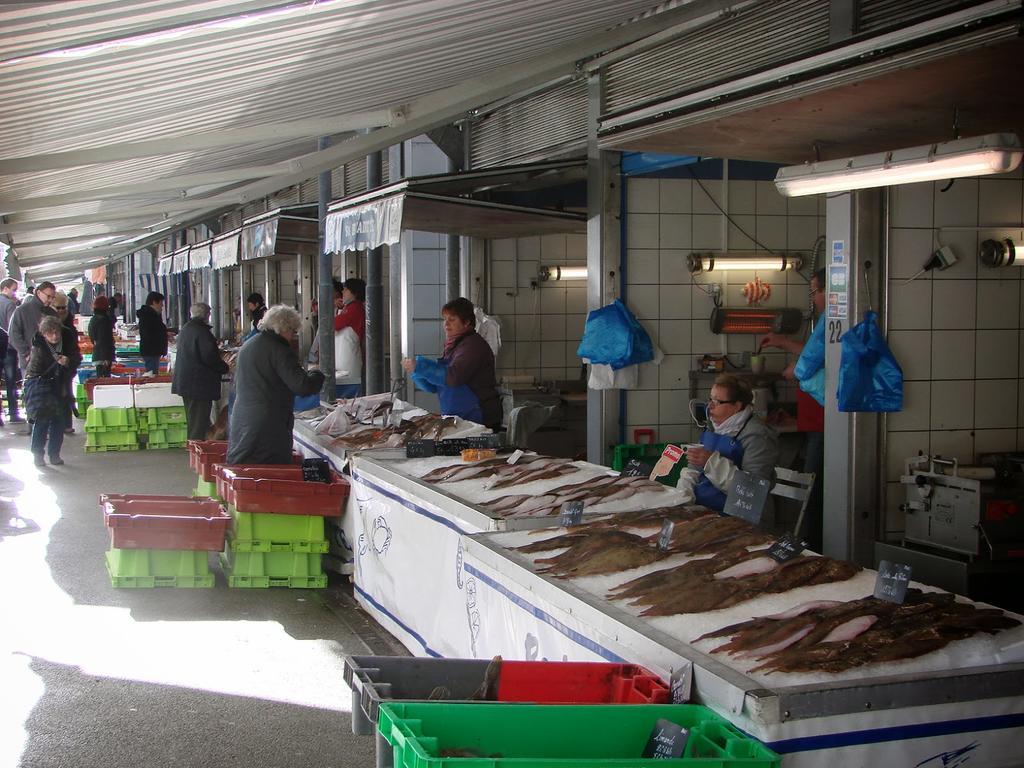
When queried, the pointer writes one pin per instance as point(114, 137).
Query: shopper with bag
point(52, 364)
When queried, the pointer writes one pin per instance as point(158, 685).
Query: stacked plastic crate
point(277, 532)
point(202, 455)
point(525, 714)
point(111, 423)
point(162, 541)
point(161, 415)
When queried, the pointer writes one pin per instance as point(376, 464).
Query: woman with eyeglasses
point(737, 439)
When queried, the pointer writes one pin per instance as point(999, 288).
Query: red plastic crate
point(280, 489)
point(579, 682)
point(203, 454)
point(164, 522)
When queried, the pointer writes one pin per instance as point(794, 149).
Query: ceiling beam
point(228, 137)
point(54, 241)
point(180, 183)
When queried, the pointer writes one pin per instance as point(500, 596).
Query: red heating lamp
point(755, 320)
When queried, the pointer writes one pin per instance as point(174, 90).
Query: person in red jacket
point(349, 312)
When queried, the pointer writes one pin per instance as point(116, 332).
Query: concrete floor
point(96, 676)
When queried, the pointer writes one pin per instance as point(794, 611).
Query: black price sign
point(493, 440)
point(316, 471)
point(892, 582)
point(786, 548)
point(572, 513)
point(665, 539)
point(637, 468)
point(680, 683)
point(420, 449)
point(667, 741)
point(747, 496)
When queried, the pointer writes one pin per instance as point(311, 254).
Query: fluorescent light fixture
point(755, 260)
point(978, 156)
point(562, 273)
point(1002, 253)
point(89, 243)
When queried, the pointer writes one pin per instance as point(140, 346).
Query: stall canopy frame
point(442, 204)
point(225, 250)
point(280, 233)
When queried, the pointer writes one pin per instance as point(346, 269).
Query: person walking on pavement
point(25, 324)
point(198, 368)
point(12, 372)
point(152, 331)
point(73, 306)
point(52, 364)
point(60, 306)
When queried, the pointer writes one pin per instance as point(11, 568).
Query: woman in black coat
point(52, 364)
point(101, 331)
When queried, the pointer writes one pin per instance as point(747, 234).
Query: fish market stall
point(410, 516)
point(366, 425)
point(797, 653)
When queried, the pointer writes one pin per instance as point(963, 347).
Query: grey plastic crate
point(387, 678)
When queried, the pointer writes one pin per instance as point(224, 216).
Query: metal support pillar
point(325, 302)
point(452, 257)
point(374, 379)
point(603, 213)
point(395, 172)
point(852, 476)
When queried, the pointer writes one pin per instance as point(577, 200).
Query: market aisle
point(94, 676)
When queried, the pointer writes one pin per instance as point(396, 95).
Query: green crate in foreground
point(272, 569)
point(206, 488)
point(558, 736)
point(269, 527)
point(99, 420)
point(158, 568)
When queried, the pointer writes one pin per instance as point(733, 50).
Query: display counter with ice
point(797, 653)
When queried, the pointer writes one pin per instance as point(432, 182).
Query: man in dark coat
point(152, 331)
point(267, 378)
point(197, 370)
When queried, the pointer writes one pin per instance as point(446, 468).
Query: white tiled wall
point(956, 333)
point(665, 219)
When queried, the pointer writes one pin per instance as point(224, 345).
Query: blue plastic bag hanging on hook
point(870, 379)
point(612, 336)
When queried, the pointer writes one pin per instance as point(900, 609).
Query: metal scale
point(964, 526)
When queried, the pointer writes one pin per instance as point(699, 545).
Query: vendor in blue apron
point(464, 377)
point(737, 439)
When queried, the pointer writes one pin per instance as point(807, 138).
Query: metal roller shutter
point(878, 15)
point(355, 177)
point(288, 196)
point(753, 39)
point(549, 124)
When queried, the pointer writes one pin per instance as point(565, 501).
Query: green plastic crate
point(206, 488)
point(83, 406)
point(171, 437)
point(170, 416)
point(260, 570)
point(263, 526)
point(560, 736)
point(110, 438)
point(266, 545)
point(158, 568)
point(649, 453)
point(111, 420)
point(102, 448)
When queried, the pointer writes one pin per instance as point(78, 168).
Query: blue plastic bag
point(613, 337)
point(810, 366)
point(870, 379)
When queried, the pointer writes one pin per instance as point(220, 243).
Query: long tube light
point(977, 156)
point(710, 262)
point(562, 273)
point(1002, 253)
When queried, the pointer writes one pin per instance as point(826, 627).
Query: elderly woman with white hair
point(198, 368)
point(52, 364)
point(267, 378)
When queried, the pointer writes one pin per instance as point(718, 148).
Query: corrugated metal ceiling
point(78, 76)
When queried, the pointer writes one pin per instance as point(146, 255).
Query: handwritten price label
point(892, 582)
